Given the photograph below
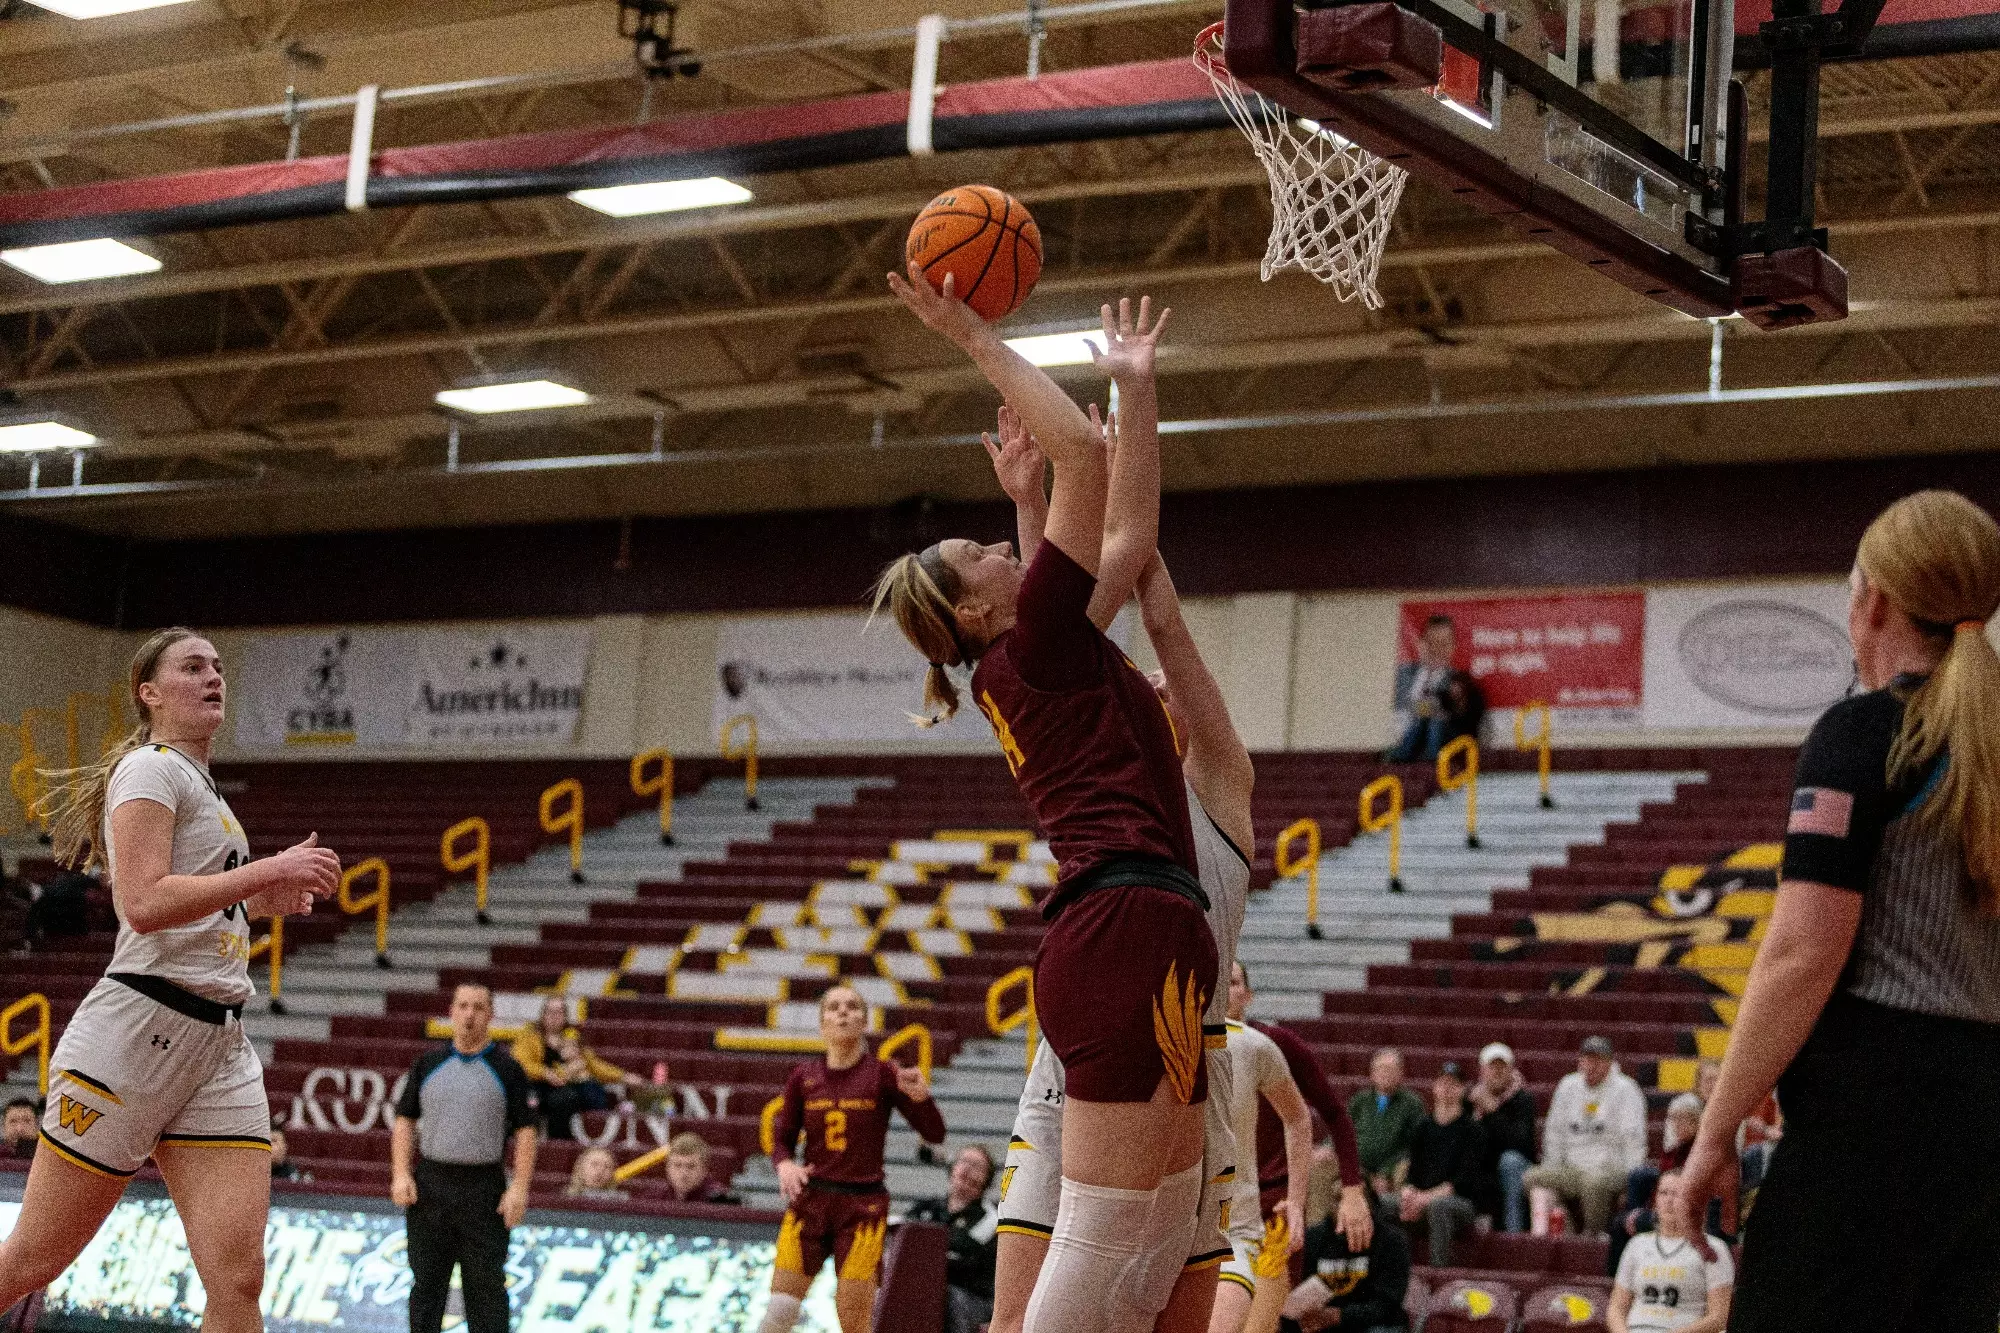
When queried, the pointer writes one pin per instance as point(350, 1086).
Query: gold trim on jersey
point(1177, 1031)
point(86, 1081)
point(864, 1255)
point(1240, 1281)
point(791, 1257)
point(1027, 1229)
point(216, 1141)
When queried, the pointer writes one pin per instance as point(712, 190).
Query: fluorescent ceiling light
point(626, 201)
point(97, 9)
point(80, 261)
point(1059, 349)
point(526, 396)
point(36, 437)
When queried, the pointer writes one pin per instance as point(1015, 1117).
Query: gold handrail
point(1391, 818)
point(274, 945)
point(1001, 1025)
point(1539, 743)
point(661, 782)
point(1467, 777)
point(37, 1037)
point(747, 753)
point(479, 860)
point(377, 899)
point(643, 1163)
point(1286, 866)
point(570, 820)
point(910, 1032)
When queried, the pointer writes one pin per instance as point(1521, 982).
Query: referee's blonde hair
point(74, 807)
point(921, 592)
point(1936, 556)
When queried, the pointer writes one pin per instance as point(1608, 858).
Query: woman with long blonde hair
point(1874, 1002)
point(154, 1062)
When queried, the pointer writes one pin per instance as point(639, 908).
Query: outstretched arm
point(1076, 507)
point(1022, 469)
point(1132, 501)
point(1218, 766)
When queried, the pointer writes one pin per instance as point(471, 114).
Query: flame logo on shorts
point(791, 1257)
point(1177, 1030)
point(1274, 1255)
point(864, 1256)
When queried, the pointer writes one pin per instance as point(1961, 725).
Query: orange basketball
point(985, 239)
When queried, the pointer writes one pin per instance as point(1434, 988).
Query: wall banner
point(505, 686)
point(1578, 652)
point(1754, 655)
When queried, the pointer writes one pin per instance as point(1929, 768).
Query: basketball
point(986, 239)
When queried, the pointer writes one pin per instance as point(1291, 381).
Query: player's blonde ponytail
point(74, 806)
point(1936, 556)
point(921, 592)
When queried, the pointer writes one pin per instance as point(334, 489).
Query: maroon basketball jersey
point(845, 1116)
point(1085, 734)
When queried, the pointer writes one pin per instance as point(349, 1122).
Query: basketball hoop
point(1331, 203)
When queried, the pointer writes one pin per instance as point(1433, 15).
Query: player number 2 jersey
point(844, 1114)
point(211, 956)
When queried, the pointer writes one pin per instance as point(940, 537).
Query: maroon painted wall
point(1575, 529)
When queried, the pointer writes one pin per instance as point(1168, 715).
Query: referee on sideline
point(461, 1104)
point(1874, 1003)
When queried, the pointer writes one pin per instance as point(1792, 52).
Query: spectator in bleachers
point(1595, 1135)
point(1445, 1154)
point(974, 1224)
point(1442, 702)
point(21, 1128)
point(1665, 1284)
point(1386, 1115)
point(1639, 1214)
point(1505, 1111)
point(282, 1165)
point(687, 1172)
point(594, 1176)
point(1346, 1289)
point(567, 1076)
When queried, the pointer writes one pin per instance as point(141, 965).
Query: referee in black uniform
point(1874, 1003)
point(461, 1104)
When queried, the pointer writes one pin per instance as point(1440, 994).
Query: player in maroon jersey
point(1127, 963)
point(835, 1203)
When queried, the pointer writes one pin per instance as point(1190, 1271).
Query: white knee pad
point(1115, 1256)
point(780, 1314)
point(1169, 1235)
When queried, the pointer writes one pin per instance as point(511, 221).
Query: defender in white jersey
point(1664, 1285)
point(154, 1061)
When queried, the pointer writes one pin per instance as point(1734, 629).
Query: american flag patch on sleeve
point(1821, 810)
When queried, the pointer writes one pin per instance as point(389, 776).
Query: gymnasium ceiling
point(279, 377)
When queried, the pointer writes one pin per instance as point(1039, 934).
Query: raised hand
point(1129, 344)
point(306, 867)
point(941, 312)
point(1017, 460)
point(911, 1080)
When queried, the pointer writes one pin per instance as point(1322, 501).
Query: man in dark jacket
point(1504, 1109)
point(1363, 1292)
point(1444, 1169)
point(973, 1245)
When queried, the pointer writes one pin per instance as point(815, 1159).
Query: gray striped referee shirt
point(1923, 944)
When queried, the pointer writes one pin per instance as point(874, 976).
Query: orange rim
point(1208, 49)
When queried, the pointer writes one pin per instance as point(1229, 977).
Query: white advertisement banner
point(1761, 655)
point(835, 677)
point(505, 686)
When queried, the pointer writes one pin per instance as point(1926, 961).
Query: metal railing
point(1287, 865)
point(910, 1034)
point(1001, 1024)
point(273, 947)
point(1390, 817)
point(1539, 743)
point(661, 783)
point(36, 1038)
point(1466, 776)
point(568, 820)
point(479, 860)
point(747, 752)
point(377, 900)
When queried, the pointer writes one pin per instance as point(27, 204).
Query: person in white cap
point(1505, 1110)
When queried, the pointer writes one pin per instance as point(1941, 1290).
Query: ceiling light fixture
point(80, 261)
point(521, 396)
point(97, 9)
point(630, 201)
point(36, 437)
point(1070, 348)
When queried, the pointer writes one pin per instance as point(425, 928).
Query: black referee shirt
point(466, 1106)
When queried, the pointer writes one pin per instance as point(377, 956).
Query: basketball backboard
point(1610, 129)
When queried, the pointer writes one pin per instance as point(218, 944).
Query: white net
point(1331, 203)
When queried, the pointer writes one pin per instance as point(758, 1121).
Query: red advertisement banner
point(1567, 650)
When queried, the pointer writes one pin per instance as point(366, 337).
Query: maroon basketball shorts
point(847, 1226)
point(1121, 980)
